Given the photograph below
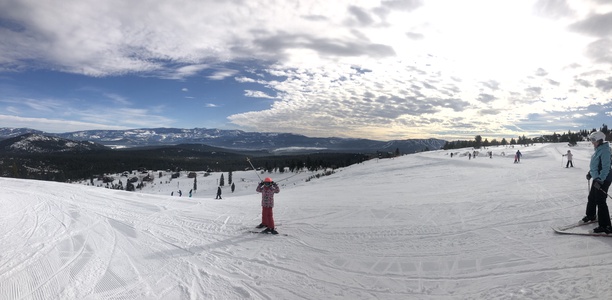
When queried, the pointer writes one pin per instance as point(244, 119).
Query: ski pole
point(249, 160)
point(603, 192)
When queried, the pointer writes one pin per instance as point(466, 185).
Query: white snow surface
point(420, 226)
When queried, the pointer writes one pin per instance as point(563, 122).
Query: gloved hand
point(597, 184)
point(588, 176)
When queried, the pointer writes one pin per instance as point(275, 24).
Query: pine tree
point(478, 142)
point(222, 180)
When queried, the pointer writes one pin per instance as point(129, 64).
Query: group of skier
point(596, 209)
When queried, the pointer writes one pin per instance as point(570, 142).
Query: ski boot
point(588, 219)
point(606, 230)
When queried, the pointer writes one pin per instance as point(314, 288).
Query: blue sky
point(381, 70)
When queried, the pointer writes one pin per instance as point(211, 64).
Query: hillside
point(421, 226)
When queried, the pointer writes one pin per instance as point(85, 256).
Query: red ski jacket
point(267, 194)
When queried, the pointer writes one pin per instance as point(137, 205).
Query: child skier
point(569, 159)
point(267, 188)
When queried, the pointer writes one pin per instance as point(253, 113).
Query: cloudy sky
point(382, 70)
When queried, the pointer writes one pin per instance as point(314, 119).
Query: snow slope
point(422, 226)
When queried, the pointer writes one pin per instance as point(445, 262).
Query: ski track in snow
point(421, 226)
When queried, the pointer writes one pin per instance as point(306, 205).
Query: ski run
point(420, 226)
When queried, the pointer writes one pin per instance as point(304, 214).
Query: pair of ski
point(567, 230)
point(266, 233)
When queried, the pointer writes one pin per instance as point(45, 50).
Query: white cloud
point(90, 115)
point(257, 94)
point(118, 99)
point(53, 125)
point(356, 67)
point(222, 74)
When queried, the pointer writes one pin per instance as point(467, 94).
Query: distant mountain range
point(277, 143)
point(39, 143)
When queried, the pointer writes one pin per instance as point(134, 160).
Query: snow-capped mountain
point(6, 132)
point(237, 139)
point(38, 143)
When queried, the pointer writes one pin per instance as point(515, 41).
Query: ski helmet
point(268, 179)
point(596, 136)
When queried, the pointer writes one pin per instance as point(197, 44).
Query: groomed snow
point(421, 226)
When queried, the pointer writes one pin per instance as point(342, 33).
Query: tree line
point(572, 138)
point(85, 165)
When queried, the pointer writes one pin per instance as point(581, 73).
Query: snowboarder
point(218, 193)
point(267, 188)
point(602, 177)
point(569, 159)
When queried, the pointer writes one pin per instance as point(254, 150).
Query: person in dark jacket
point(517, 156)
point(267, 188)
point(599, 171)
point(218, 193)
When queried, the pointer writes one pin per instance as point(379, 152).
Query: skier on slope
point(602, 177)
point(569, 159)
point(218, 193)
point(517, 156)
point(267, 188)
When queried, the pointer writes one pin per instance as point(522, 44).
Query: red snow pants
point(267, 217)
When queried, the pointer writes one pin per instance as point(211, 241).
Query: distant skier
point(517, 156)
point(218, 193)
point(267, 188)
point(599, 171)
point(569, 159)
